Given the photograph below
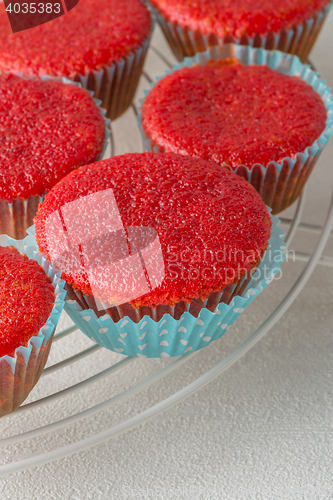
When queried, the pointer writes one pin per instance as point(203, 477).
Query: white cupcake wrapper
point(17, 216)
point(298, 40)
point(279, 184)
point(169, 336)
point(19, 373)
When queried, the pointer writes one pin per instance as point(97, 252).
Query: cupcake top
point(26, 299)
point(239, 17)
point(88, 37)
point(233, 114)
point(47, 129)
point(211, 224)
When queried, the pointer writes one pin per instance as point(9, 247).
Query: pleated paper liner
point(279, 184)
point(173, 331)
point(20, 373)
point(17, 216)
point(297, 40)
point(115, 85)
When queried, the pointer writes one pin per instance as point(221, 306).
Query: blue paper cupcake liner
point(297, 40)
point(115, 85)
point(279, 184)
point(17, 216)
point(174, 337)
point(19, 373)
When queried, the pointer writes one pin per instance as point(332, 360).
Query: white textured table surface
point(262, 430)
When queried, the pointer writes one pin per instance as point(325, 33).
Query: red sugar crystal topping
point(233, 114)
point(239, 17)
point(26, 299)
point(47, 129)
point(211, 223)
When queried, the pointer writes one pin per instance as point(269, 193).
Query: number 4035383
point(33, 8)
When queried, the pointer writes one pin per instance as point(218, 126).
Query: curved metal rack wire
point(312, 260)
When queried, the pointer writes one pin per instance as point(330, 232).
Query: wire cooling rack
point(292, 224)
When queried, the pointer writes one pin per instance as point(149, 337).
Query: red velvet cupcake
point(288, 25)
point(29, 310)
point(26, 300)
point(101, 45)
point(47, 129)
point(236, 115)
point(196, 228)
